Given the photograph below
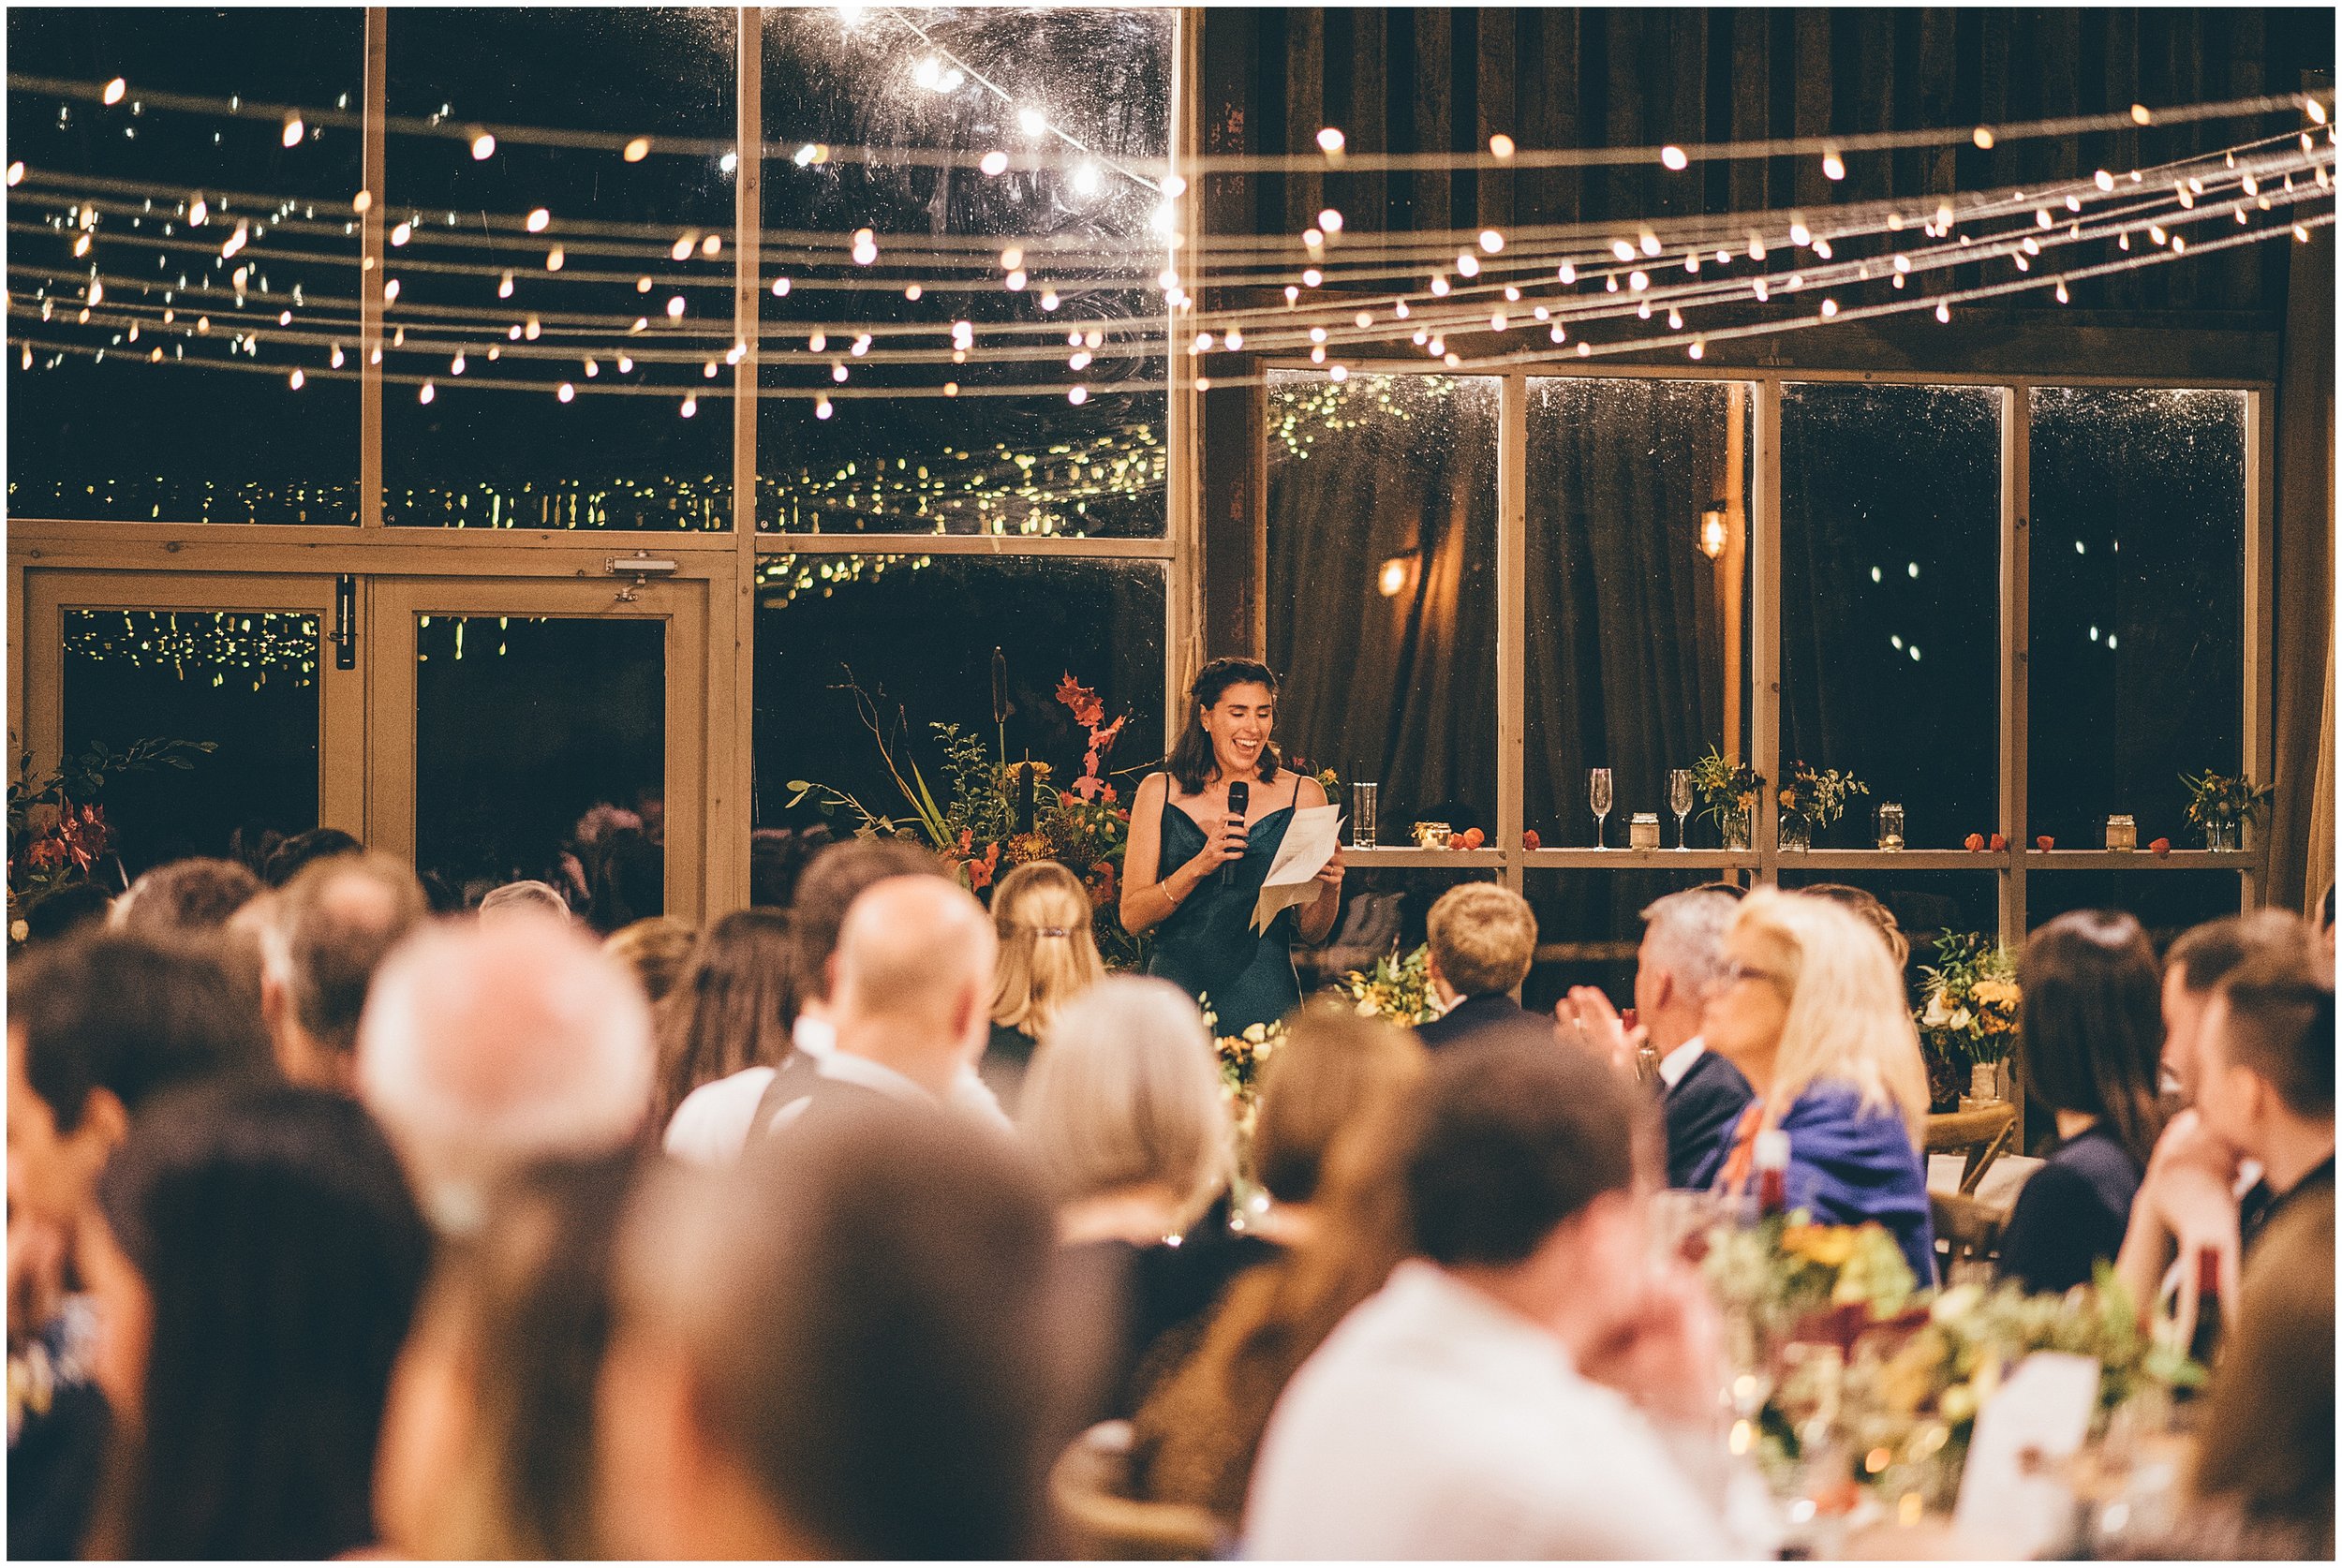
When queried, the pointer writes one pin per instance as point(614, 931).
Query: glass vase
point(1734, 826)
point(2223, 835)
point(1797, 834)
point(1984, 1082)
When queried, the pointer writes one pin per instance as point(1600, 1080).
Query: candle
point(2122, 833)
point(1643, 830)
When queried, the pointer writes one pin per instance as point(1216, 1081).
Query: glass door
point(241, 666)
point(548, 730)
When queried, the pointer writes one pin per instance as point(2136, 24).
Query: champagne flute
point(1598, 791)
point(1680, 802)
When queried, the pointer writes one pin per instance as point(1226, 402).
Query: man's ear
point(104, 1117)
point(1662, 989)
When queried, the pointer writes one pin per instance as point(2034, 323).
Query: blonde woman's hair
point(1047, 955)
point(1848, 1019)
point(1124, 1092)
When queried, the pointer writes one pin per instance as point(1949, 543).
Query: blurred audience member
point(2092, 1042)
point(1484, 1403)
point(329, 929)
point(1332, 1101)
point(185, 895)
point(251, 845)
point(2264, 1092)
point(858, 1346)
point(2326, 924)
point(285, 860)
point(657, 949)
point(528, 899)
point(1816, 1020)
point(1041, 913)
point(1124, 1111)
point(1865, 904)
point(731, 1009)
point(97, 1025)
point(62, 911)
point(486, 1046)
point(488, 1443)
point(2198, 962)
point(777, 858)
point(1483, 939)
point(626, 879)
point(255, 1266)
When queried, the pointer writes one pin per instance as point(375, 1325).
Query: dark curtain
point(1398, 689)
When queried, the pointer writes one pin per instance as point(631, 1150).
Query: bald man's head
point(329, 931)
point(914, 958)
point(485, 1046)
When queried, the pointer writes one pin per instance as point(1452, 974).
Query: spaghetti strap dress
point(1207, 947)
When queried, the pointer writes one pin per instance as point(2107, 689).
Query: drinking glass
point(1363, 800)
point(1598, 791)
point(1680, 802)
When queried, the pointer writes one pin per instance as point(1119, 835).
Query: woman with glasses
point(1813, 1014)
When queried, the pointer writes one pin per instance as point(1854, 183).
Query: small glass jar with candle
point(2122, 833)
point(1889, 825)
point(1433, 835)
point(1643, 830)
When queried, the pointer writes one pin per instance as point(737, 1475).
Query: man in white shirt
point(1534, 1385)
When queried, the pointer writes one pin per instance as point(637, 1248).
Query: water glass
point(1598, 793)
point(1680, 802)
point(1362, 803)
point(1889, 825)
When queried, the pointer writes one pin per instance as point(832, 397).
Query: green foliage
point(2222, 798)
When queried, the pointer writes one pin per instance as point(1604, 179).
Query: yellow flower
point(1994, 992)
point(1828, 1244)
point(1255, 1033)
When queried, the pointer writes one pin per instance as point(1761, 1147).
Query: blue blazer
point(1847, 1165)
point(1471, 1016)
point(1703, 1110)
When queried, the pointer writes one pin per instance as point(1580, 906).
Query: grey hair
point(1685, 932)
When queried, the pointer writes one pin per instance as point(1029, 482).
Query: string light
point(1675, 158)
point(294, 130)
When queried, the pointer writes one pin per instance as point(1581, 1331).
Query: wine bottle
point(2204, 1344)
point(1772, 1173)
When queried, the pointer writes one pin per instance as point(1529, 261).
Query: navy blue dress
point(1207, 947)
point(2072, 1213)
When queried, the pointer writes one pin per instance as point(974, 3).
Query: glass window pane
point(2165, 902)
point(166, 393)
point(496, 447)
point(1055, 421)
point(525, 724)
point(1890, 600)
point(1629, 616)
point(245, 680)
point(916, 633)
point(1382, 586)
point(2136, 495)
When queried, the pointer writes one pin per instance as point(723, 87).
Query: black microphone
point(1239, 796)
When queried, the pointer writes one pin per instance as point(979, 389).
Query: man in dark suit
point(1483, 939)
point(1680, 966)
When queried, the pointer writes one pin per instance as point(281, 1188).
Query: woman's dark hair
point(2091, 1023)
point(1191, 763)
point(734, 1006)
point(283, 1256)
point(628, 875)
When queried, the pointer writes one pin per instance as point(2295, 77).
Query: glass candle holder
point(1433, 835)
point(1889, 825)
point(2122, 833)
point(1643, 830)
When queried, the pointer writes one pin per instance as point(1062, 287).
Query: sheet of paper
point(2013, 1501)
point(1311, 838)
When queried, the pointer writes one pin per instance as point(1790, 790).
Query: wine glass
point(1680, 802)
point(1598, 791)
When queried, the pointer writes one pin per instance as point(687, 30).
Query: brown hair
point(1331, 1067)
point(1047, 953)
point(2280, 1026)
point(188, 895)
point(1865, 903)
point(734, 1008)
point(828, 888)
point(656, 948)
point(1191, 763)
point(2205, 955)
point(330, 942)
point(1484, 938)
point(2092, 1024)
point(2267, 1445)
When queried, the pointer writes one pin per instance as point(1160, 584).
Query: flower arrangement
point(1398, 990)
point(2219, 803)
point(1970, 1012)
point(57, 830)
point(1728, 792)
point(1843, 1362)
point(998, 814)
point(1811, 798)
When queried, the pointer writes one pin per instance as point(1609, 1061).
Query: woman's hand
point(1224, 841)
point(1585, 1017)
point(1329, 874)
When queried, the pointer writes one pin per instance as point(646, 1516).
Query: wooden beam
point(2016, 536)
point(371, 179)
point(1512, 619)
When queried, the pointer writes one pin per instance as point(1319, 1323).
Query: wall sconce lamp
point(1712, 531)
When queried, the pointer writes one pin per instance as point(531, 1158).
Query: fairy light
point(780, 287)
point(16, 172)
point(1675, 158)
point(994, 164)
point(113, 92)
point(296, 380)
point(295, 130)
point(1330, 141)
point(553, 258)
point(537, 219)
point(1330, 220)
point(690, 405)
point(1982, 137)
point(1833, 164)
point(675, 307)
point(1500, 145)
point(427, 393)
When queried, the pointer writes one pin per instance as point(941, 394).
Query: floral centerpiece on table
point(997, 815)
point(1811, 798)
point(1727, 791)
point(1398, 990)
point(1968, 1014)
point(2222, 804)
point(1847, 1378)
point(57, 830)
